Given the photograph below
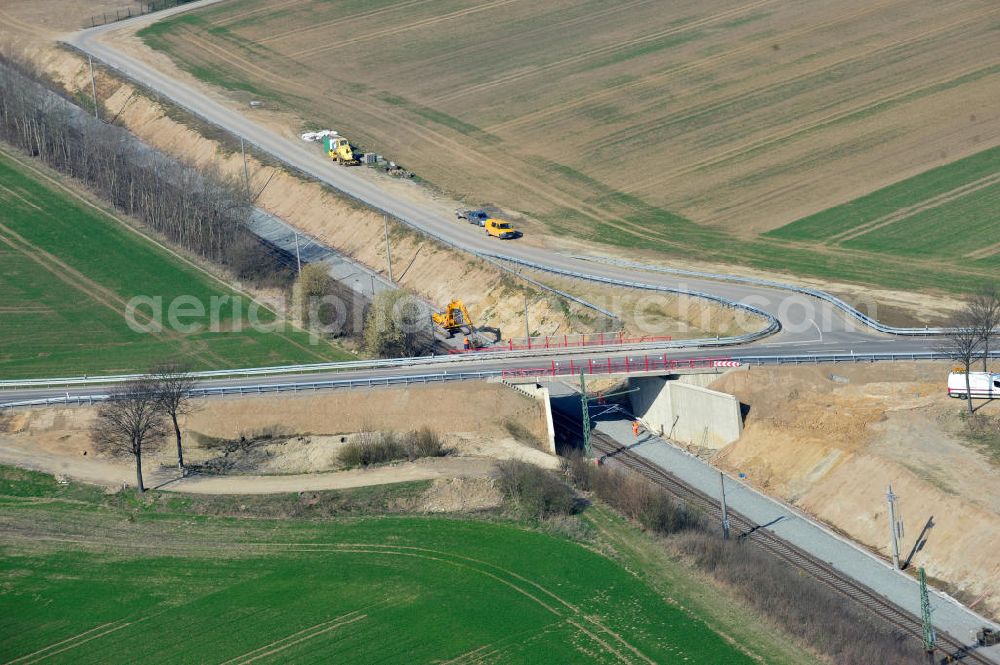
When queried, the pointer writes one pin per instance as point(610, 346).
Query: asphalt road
point(807, 323)
point(808, 326)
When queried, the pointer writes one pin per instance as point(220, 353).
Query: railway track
point(949, 649)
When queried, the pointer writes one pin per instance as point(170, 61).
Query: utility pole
point(93, 84)
point(930, 639)
point(725, 513)
point(388, 253)
point(527, 329)
point(246, 174)
point(585, 406)
point(298, 258)
point(895, 527)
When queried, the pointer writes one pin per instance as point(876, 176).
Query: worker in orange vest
point(635, 427)
point(465, 341)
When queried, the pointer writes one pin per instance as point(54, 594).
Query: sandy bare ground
point(296, 439)
point(426, 469)
point(831, 439)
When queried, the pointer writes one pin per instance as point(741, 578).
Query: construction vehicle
point(499, 228)
point(987, 637)
point(456, 319)
point(338, 148)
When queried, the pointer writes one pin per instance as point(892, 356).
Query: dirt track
point(300, 437)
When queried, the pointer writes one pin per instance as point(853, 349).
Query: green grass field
point(919, 189)
point(93, 579)
point(67, 272)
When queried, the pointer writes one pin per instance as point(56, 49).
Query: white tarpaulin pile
point(316, 136)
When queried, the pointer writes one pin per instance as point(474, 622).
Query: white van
point(983, 385)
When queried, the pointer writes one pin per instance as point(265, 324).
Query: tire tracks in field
point(607, 49)
point(616, 90)
point(73, 642)
point(736, 98)
point(537, 593)
point(323, 26)
point(909, 211)
point(296, 638)
point(21, 198)
point(269, 6)
point(485, 568)
point(746, 149)
point(984, 253)
point(486, 43)
point(185, 343)
point(390, 32)
point(100, 294)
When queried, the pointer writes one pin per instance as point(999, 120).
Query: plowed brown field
point(682, 125)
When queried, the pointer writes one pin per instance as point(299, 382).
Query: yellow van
point(499, 228)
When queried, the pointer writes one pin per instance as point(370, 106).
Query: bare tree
point(963, 344)
point(129, 422)
point(173, 383)
point(984, 309)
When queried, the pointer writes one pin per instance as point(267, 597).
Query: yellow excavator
point(456, 318)
point(338, 148)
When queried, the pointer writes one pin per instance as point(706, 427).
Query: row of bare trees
point(973, 332)
point(201, 211)
point(138, 415)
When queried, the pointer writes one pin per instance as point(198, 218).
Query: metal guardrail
point(816, 359)
point(815, 293)
point(773, 325)
point(395, 363)
point(304, 386)
point(631, 365)
point(624, 365)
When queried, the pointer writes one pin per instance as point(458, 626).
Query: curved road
point(809, 326)
point(802, 318)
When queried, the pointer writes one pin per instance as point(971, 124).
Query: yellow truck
point(499, 228)
point(339, 149)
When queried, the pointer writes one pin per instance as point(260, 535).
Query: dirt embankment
point(830, 439)
point(268, 436)
point(420, 264)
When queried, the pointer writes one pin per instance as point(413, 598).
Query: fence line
point(124, 14)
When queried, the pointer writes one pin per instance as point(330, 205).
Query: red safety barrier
point(566, 342)
point(623, 365)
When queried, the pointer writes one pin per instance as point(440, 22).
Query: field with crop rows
point(682, 127)
point(84, 584)
point(69, 269)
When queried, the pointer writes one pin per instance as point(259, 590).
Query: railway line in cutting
point(948, 647)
